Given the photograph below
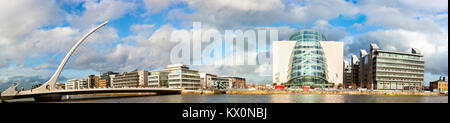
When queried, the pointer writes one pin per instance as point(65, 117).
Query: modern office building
point(355, 72)
point(440, 85)
point(391, 70)
point(158, 79)
point(181, 77)
point(93, 81)
point(76, 84)
point(106, 76)
point(363, 69)
point(143, 78)
point(71, 84)
point(348, 79)
point(308, 59)
point(83, 84)
point(136, 79)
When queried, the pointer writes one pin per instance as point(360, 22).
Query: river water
point(266, 99)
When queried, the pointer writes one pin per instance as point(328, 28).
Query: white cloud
point(152, 49)
point(231, 13)
point(100, 11)
point(19, 17)
point(423, 5)
point(157, 6)
point(242, 5)
point(403, 15)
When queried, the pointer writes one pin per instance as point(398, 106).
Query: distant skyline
point(34, 34)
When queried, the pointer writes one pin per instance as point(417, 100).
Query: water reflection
point(270, 99)
point(281, 98)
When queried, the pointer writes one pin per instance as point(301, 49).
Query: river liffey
point(224, 98)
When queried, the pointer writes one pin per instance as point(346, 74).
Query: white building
point(76, 84)
point(158, 79)
point(334, 54)
point(181, 77)
point(282, 51)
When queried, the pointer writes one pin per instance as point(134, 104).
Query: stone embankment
point(327, 92)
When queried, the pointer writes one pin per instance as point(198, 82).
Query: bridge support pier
point(48, 97)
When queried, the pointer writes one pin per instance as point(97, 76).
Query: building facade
point(102, 83)
point(334, 57)
point(308, 59)
point(237, 82)
point(106, 77)
point(281, 58)
point(158, 79)
point(125, 80)
point(391, 70)
point(77, 84)
point(355, 72)
point(348, 79)
point(132, 79)
point(143, 78)
point(181, 77)
point(308, 63)
point(93, 81)
point(363, 69)
point(223, 83)
point(71, 84)
point(206, 80)
point(440, 85)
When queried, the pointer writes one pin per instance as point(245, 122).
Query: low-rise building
point(135, 79)
point(440, 85)
point(158, 79)
point(76, 84)
point(125, 80)
point(93, 81)
point(237, 82)
point(102, 83)
point(181, 77)
point(106, 76)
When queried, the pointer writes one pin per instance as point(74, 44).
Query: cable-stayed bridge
point(49, 92)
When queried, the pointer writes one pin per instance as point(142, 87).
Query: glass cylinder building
point(308, 64)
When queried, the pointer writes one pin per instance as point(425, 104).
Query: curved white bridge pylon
point(51, 83)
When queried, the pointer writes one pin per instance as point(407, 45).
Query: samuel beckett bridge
point(49, 92)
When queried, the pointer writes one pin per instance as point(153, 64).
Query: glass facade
point(308, 65)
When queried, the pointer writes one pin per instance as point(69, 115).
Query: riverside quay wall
point(325, 92)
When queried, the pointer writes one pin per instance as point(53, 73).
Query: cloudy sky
point(35, 34)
